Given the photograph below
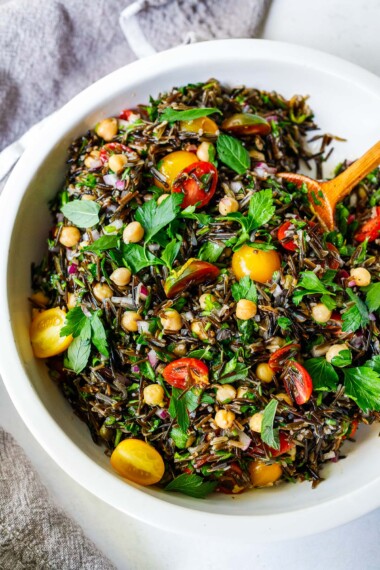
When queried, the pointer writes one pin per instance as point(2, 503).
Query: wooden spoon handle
point(336, 189)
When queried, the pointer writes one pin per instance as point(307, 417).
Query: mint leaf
point(170, 252)
point(342, 359)
point(355, 316)
point(232, 153)
point(261, 209)
point(82, 213)
point(172, 115)
point(211, 251)
point(136, 257)
point(103, 244)
point(362, 384)
point(98, 336)
point(244, 289)
point(181, 404)
point(232, 371)
point(154, 217)
point(373, 297)
point(79, 350)
point(74, 322)
point(192, 485)
point(322, 373)
point(179, 437)
point(269, 435)
point(310, 284)
point(201, 353)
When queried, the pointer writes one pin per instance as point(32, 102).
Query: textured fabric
point(35, 533)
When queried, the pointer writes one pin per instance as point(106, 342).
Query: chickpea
point(117, 162)
point(203, 151)
point(121, 276)
point(264, 474)
point(133, 233)
point(90, 197)
point(227, 205)
point(198, 329)
point(255, 422)
point(71, 300)
point(102, 291)
point(162, 198)
point(321, 313)
point(154, 395)
point(225, 392)
point(107, 129)
point(224, 419)
point(171, 320)
point(264, 372)
point(129, 321)
point(205, 300)
point(284, 398)
point(92, 159)
point(334, 350)
point(245, 309)
point(242, 391)
point(361, 276)
point(69, 236)
point(180, 349)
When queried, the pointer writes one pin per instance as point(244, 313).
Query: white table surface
point(350, 29)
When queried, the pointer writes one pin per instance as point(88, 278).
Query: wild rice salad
point(192, 309)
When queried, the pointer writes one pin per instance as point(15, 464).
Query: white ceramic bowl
point(346, 101)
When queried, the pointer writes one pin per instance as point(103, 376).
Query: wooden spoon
point(324, 196)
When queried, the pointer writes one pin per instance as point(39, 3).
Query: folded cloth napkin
point(49, 51)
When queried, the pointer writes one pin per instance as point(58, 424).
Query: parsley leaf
point(373, 297)
point(342, 359)
point(74, 322)
point(82, 213)
point(261, 208)
point(79, 350)
point(98, 336)
point(153, 217)
point(103, 243)
point(179, 437)
point(374, 363)
point(181, 404)
point(355, 316)
point(232, 371)
point(322, 373)
point(284, 323)
point(137, 257)
point(171, 115)
point(202, 219)
point(84, 330)
point(211, 251)
point(311, 285)
point(362, 384)
point(192, 485)
point(269, 435)
point(170, 252)
point(244, 289)
point(232, 153)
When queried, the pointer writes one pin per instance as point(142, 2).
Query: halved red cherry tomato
point(125, 114)
point(197, 183)
point(114, 148)
point(298, 382)
point(246, 124)
point(278, 358)
point(186, 372)
point(352, 429)
point(193, 272)
point(286, 241)
point(285, 445)
point(370, 230)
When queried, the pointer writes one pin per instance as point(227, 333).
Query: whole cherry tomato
point(186, 372)
point(298, 382)
point(257, 263)
point(278, 358)
point(286, 241)
point(370, 230)
point(197, 183)
point(194, 271)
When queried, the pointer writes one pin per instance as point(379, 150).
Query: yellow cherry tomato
point(203, 123)
point(263, 474)
point(258, 264)
point(45, 333)
point(138, 461)
point(172, 164)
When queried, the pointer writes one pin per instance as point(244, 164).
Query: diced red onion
point(110, 179)
point(244, 439)
point(95, 234)
point(60, 218)
point(120, 184)
point(143, 326)
point(263, 166)
point(69, 254)
point(351, 283)
point(73, 268)
point(372, 317)
point(141, 292)
point(135, 369)
point(273, 118)
point(162, 414)
point(153, 358)
point(236, 186)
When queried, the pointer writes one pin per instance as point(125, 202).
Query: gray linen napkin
point(49, 51)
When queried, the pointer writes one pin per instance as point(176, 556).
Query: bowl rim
point(51, 437)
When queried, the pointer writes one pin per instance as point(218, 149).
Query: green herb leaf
point(179, 437)
point(103, 244)
point(232, 153)
point(82, 213)
point(284, 323)
point(322, 373)
point(79, 350)
point(269, 435)
point(373, 297)
point(192, 485)
point(75, 321)
point(136, 257)
point(244, 289)
point(201, 353)
point(355, 316)
point(153, 217)
point(181, 404)
point(374, 363)
point(362, 384)
point(98, 336)
point(147, 371)
point(190, 214)
point(311, 285)
point(171, 115)
point(261, 209)
point(211, 251)
point(342, 359)
point(170, 252)
point(233, 371)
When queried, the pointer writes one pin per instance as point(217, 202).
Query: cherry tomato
point(197, 183)
point(186, 372)
point(125, 114)
point(193, 272)
point(278, 358)
point(264, 474)
point(370, 230)
point(172, 165)
point(285, 445)
point(202, 124)
point(45, 333)
point(246, 124)
point(115, 148)
point(258, 264)
point(286, 241)
point(138, 461)
point(352, 429)
point(298, 382)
